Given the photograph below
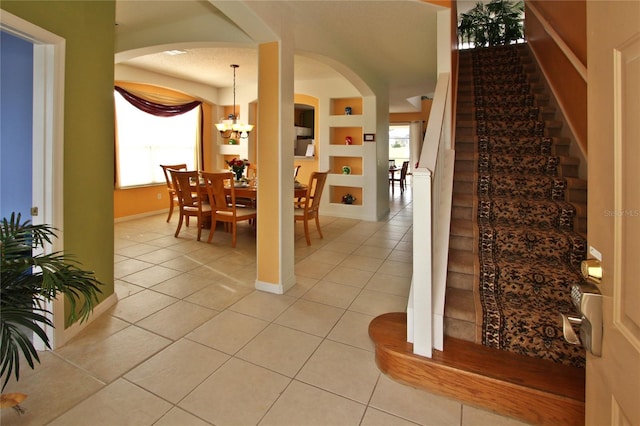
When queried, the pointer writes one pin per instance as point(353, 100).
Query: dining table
point(251, 192)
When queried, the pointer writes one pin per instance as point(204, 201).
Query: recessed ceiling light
point(174, 52)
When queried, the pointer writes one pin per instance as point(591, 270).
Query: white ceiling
point(388, 41)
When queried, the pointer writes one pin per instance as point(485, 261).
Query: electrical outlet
point(159, 195)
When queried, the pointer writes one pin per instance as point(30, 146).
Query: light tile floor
point(191, 342)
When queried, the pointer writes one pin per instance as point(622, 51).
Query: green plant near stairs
point(29, 279)
point(497, 23)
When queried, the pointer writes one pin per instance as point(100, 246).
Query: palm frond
point(16, 327)
point(28, 280)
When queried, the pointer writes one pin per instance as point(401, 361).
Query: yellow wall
point(135, 201)
point(269, 233)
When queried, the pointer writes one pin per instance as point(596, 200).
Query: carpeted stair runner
point(529, 255)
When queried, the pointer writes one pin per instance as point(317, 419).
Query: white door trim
point(48, 137)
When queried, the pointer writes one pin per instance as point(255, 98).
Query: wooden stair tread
point(464, 200)
point(460, 304)
point(466, 156)
point(569, 160)
point(531, 389)
point(462, 227)
point(465, 176)
point(461, 256)
point(576, 183)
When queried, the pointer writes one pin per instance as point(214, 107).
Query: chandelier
point(232, 127)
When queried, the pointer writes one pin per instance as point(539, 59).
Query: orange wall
point(445, 3)
point(568, 18)
point(135, 201)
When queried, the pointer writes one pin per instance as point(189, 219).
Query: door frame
point(48, 137)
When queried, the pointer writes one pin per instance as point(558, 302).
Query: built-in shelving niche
point(304, 121)
point(337, 192)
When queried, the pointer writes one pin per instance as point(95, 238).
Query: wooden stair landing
point(530, 389)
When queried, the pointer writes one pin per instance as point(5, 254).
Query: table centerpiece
point(237, 166)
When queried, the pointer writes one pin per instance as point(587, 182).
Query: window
point(145, 140)
point(399, 143)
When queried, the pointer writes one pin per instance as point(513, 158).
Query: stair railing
point(432, 183)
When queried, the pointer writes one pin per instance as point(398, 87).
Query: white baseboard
point(141, 215)
point(269, 287)
point(71, 332)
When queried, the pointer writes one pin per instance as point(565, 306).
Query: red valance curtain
point(155, 108)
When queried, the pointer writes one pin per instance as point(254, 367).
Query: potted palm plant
point(498, 22)
point(28, 280)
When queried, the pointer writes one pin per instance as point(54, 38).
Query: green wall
point(89, 30)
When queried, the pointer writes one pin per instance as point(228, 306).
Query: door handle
point(567, 329)
point(587, 299)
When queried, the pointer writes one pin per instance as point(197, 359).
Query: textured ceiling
point(388, 41)
point(212, 66)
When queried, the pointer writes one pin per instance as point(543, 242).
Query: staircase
point(490, 235)
point(532, 140)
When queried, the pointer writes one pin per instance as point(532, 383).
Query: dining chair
point(403, 175)
point(173, 198)
point(252, 171)
point(191, 200)
point(252, 177)
point(222, 196)
point(296, 169)
point(402, 179)
point(308, 208)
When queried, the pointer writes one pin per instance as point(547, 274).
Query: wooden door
point(613, 34)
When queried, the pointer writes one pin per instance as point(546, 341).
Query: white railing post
point(432, 183)
point(421, 181)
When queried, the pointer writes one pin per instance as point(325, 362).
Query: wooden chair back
point(186, 187)
point(190, 200)
point(173, 199)
point(222, 197)
point(215, 184)
point(404, 170)
point(309, 208)
point(252, 171)
point(314, 192)
point(167, 174)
